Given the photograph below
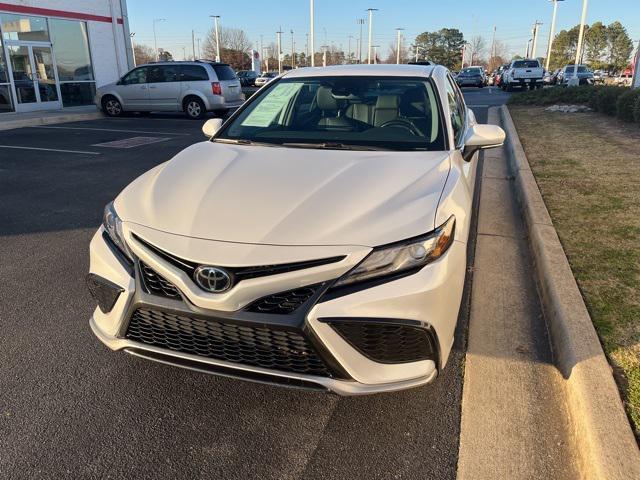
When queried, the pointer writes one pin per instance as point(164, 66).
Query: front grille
point(256, 346)
point(156, 284)
point(387, 342)
point(282, 303)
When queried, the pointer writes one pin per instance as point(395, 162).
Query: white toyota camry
point(318, 239)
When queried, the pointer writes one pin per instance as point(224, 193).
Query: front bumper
point(429, 298)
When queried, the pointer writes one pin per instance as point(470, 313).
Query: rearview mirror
point(211, 126)
point(482, 137)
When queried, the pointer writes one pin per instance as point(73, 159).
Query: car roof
point(390, 70)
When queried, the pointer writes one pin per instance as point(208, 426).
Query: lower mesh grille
point(156, 284)
point(387, 343)
point(244, 344)
point(282, 303)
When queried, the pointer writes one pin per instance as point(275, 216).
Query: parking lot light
point(215, 23)
point(155, 39)
point(370, 10)
point(552, 32)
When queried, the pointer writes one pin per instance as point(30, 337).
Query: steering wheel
point(402, 123)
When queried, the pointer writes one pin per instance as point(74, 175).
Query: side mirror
point(482, 137)
point(211, 127)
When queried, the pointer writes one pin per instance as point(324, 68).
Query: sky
point(336, 20)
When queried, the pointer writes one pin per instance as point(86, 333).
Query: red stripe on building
point(48, 12)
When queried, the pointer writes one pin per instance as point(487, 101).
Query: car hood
point(289, 196)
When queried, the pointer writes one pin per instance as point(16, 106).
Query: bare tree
point(404, 53)
point(499, 55)
point(234, 47)
point(143, 54)
point(476, 49)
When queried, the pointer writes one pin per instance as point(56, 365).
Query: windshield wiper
point(333, 146)
point(244, 141)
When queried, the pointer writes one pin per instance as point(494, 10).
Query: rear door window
point(193, 73)
point(162, 74)
point(224, 72)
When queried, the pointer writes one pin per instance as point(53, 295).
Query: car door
point(133, 89)
point(164, 87)
point(231, 89)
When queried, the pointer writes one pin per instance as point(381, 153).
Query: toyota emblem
point(212, 279)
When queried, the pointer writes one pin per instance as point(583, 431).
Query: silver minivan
point(192, 87)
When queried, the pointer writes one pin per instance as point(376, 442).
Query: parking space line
point(108, 130)
point(17, 147)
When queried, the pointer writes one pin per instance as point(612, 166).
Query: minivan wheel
point(194, 108)
point(111, 106)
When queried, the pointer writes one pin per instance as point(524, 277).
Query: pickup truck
point(523, 73)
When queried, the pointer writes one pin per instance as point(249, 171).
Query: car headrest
point(388, 101)
point(325, 99)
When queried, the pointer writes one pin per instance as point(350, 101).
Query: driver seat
point(387, 108)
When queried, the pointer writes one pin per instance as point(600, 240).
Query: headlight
point(409, 255)
point(113, 225)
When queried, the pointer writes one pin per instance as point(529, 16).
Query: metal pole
point(493, 48)
point(312, 38)
point(635, 80)
point(193, 43)
point(199, 51)
point(464, 49)
point(155, 39)
point(370, 10)
point(279, 42)
point(293, 52)
point(215, 20)
point(580, 38)
point(261, 51)
point(375, 54)
point(536, 30)
point(398, 30)
point(361, 23)
point(133, 48)
point(552, 33)
point(349, 50)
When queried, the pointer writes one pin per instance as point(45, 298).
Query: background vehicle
point(600, 77)
point(523, 74)
point(471, 77)
point(500, 74)
point(265, 78)
point(192, 87)
point(585, 76)
point(247, 78)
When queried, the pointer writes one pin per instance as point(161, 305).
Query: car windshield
point(470, 71)
point(342, 112)
point(526, 64)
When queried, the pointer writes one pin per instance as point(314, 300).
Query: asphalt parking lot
point(70, 408)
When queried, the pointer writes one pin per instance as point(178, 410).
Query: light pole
point(293, 51)
point(375, 53)
point(199, 52)
point(215, 23)
point(312, 44)
point(360, 22)
point(279, 46)
point(155, 39)
point(574, 81)
point(349, 50)
point(370, 10)
point(133, 48)
point(552, 32)
point(536, 29)
point(398, 30)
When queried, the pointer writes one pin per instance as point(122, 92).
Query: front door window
point(45, 75)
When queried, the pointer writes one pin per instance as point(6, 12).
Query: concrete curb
point(49, 119)
point(604, 442)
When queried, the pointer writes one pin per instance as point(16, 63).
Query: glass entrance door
point(34, 77)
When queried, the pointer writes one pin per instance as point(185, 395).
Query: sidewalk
point(9, 121)
point(514, 421)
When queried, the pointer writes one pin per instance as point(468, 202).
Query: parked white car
point(522, 74)
point(318, 239)
point(192, 87)
point(265, 78)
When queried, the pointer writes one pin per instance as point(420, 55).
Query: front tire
point(112, 106)
point(194, 108)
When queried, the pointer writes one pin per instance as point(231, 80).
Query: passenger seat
point(331, 118)
point(386, 109)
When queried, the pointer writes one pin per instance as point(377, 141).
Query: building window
point(73, 60)
point(26, 29)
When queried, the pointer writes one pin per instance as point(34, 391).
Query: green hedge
point(622, 102)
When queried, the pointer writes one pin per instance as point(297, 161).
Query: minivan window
point(193, 73)
point(526, 64)
point(342, 112)
point(224, 72)
point(139, 75)
point(162, 74)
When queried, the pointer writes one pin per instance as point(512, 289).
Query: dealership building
point(54, 53)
